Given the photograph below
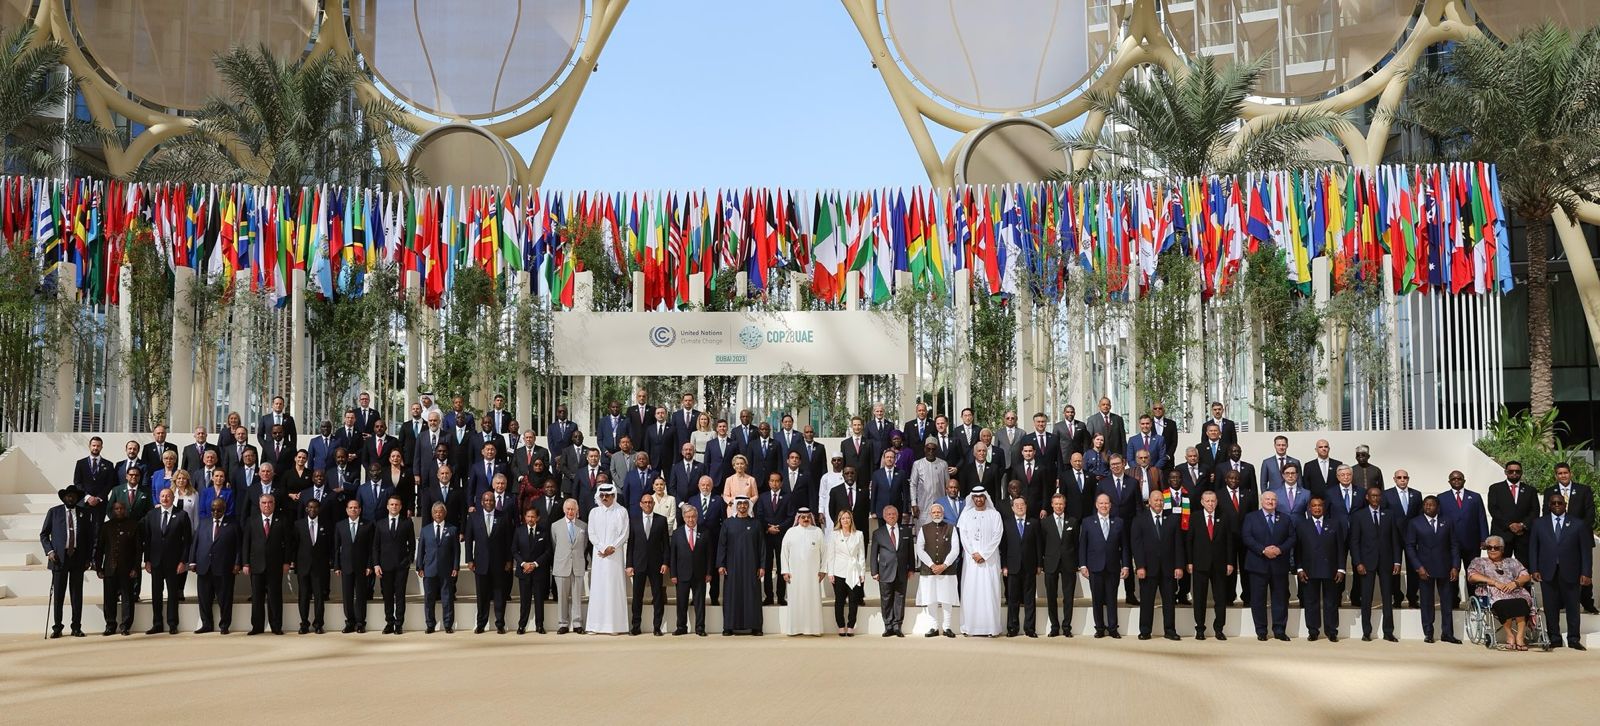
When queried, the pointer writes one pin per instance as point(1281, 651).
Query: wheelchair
point(1484, 628)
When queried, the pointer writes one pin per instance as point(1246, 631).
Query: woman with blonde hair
point(845, 560)
point(184, 496)
point(701, 436)
point(162, 478)
point(741, 484)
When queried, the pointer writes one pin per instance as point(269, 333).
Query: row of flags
point(1444, 226)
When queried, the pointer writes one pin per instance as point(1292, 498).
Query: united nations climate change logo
point(662, 336)
point(750, 337)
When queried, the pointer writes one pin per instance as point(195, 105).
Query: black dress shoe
point(1173, 636)
point(223, 631)
point(362, 628)
point(172, 630)
point(1184, 601)
point(388, 628)
point(657, 632)
point(766, 601)
point(1333, 637)
point(522, 631)
point(756, 633)
point(1590, 609)
point(428, 630)
point(681, 631)
point(1312, 638)
point(478, 630)
point(1066, 633)
point(1575, 645)
point(1221, 635)
point(202, 630)
point(1132, 602)
point(55, 633)
point(1556, 644)
point(1451, 639)
point(318, 630)
point(277, 631)
point(109, 631)
point(1115, 635)
point(349, 629)
point(1282, 636)
point(305, 629)
point(563, 630)
point(633, 631)
point(898, 633)
point(1391, 638)
point(449, 629)
point(783, 602)
point(890, 634)
point(399, 630)
point(1144, 636)
point(931, 633)
point(1199, 635)
point(539, 630)
point(949, 633)
point(501, 629)
point(1428, 639)
point(78, 633)
point(700, 633)
point(1099, 633)
point(1030, 634)
point(727, 633)
point(254, 631)
point(1262, 638)
point(155, 631)
point(578, 630)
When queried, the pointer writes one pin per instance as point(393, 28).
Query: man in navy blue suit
point(1430, 551)
point(1468, 519)
point(773, 509)
point(1375, 543)
point(488, 555)
point(611, 428)
point(720, 451)
point(1406, 504)
point(1105, 561)
point(1158, 554)
point(214, 558)
point(683, 474)
point(1319, 565)
point(1123, 490)
point(888, 486)
point(559, 436)
point(711, 510)
point(1561, 551)
point(1269, 538)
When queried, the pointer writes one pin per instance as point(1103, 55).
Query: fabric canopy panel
point(162, 50)
point(467, 59)
point(1021, 57)
point(1316, 46)
point(1010, 150)
point(462, 155)
point(1507, 18)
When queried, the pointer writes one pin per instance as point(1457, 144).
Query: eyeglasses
point(1407, 478)
point(1493, 548)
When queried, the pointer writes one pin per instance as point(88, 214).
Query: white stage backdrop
point(729, 344)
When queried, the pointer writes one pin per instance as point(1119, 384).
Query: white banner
point(730, 344)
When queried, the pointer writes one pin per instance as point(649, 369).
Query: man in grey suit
point(1109, 425)
point(1009, 438)
point(1071, 435)
point(892, 558)
point(571, 536)
point(438, 563)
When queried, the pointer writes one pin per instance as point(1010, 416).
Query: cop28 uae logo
point(662, 336)
point(750, 337)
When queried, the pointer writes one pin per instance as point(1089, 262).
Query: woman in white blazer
point(666, 504)
point(846, 559)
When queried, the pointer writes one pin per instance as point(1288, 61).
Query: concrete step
point(18, 559)
point(26, 545)
point(23, 521)
point(27, 503)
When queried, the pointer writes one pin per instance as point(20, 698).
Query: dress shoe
point(1451, 639)
point(1115, 634)
point(681, 631)
point(155, 630)
point(78, 633)
point(700, 633)
point(1366, 637)
point(305, 629)
point(1575, 645)
point(766, 601)
point(783, 602)
point(449, 629)
point(348, 629)
point(633, 631)
point(277, 631)
point(1199, 635)
point(1261, 638)
point(1333, 637)
point(727, 633)
point(1184, 601)
point(1144, 636)
point(1391, 638)
point(578, 630)
point(563, 630)
point(1030, 634)
point(1428, 639)
point(539, 630)
point(1066, 633)
point(1011, 633)
point(255, 631)
point(890, 633)
point(949, 633)
point(756, 633)
point(657, 632)
point(1221, 635)
point(1132, 602)
point(1282, 636)
point(428, 630)
point(172, 630)
point(1556, 644)
point(1173, 636)
point(223, 631)
point(1591, 610)
point(362, 628)
point(1312, 638)
point(501, 629)
point(388, 628)
point(109, 631)
point(478, 630)
point(931, 633)
point(522, 631)
point(1099, 632)
point(898, 633)
point(203, 630)
point(399, 630)
point(55, 633)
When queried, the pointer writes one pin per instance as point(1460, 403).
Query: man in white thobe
point(608, 579)
point(928, 476)
point(825, 487)
point(801, 564)
point(938, 553)
point(980, 530)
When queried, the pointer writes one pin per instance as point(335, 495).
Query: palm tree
point(289, 123)
point(1532, 108)
point(1190, 124)
point(34, 136)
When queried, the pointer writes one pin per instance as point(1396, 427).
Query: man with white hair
point(980, 528)
point(608, 581)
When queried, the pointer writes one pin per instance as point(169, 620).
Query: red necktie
point(1236, 499)
point(1210, 531)
point(266, 527)
point(691, 540)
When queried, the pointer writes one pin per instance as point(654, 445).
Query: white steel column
point(1136, 403)
point(1394, 393)
point(180, 417)
point(413, 374)
point(122, 416)
point(1327, 407)
point(1022, 308)
point(299, 394)
point(961, 381)
point(238, 349)
point(582, 386)
point(852, 302)
point(523, 395)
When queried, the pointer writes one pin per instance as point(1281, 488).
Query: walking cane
point(49, 600)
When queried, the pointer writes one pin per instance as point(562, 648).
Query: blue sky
point(732, 93)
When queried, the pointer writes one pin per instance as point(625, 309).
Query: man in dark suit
point(1195, 476)
point(1058, 563)
point(690, 565)
point(68, 539)
point(917, 429)
point(611, 428)
point(813, 454)
point(319, 453)
point(1430, 552)
point(265, 554)
point(486, 436)
point(194, 454)
point(366, 415)
point(312, 564)
point(888, 487)
point(150, 457)
point(1110, 425)
point(1319, 473)
point(441, 491)
point(522, 460)
point(720, 451)
point(489, 558)
point(1235, 503)
point(1513, 505)
point(438, 551)
point(1019, 565)
point(352, 557)
point(1406, 504)
point(1211, 450)
point(377, 447)
point(980, 470)
point(1125, 503)
point(685, 473)
point(1227, 430)
point(859, 450)
point(890, 562)
point(641, 415)
point(1561, 549)
point(647, 561)
point(1375, 544)
point(850, 495)
point(116, 561)
point(497, 415)
point(277, 417)
point(165, 537)
point(639, 481)
point(1045, 446)
point(1159, 562)
point(1167, 429)
point(763, 453)
point(1320, 544)
point(1235, 463)
point(392, 549)
point(349, 436)
point(411, 432)
point(1464, 508)
point(1211, 553)
point(774, 513)
point(214, 559)
point(1269, 539)
point(560, 435)
point(683, 421)
point(1104, 562)
point(1580, 506)
point(1034, 473)
point(877, 428)
point(1273, 466)
point(374, 498)
point(1079, 485)
point(798, 483)
point(458, 417)
point(1148, 440)
point(531, 555)
point(1071, 436)
point(480, 478)
point(786, 437)
point(95, 477)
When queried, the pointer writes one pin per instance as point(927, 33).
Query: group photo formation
point(839, 346)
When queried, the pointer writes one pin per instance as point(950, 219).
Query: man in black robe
point(740, 554)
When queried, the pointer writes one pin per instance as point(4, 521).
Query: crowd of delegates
point(742, 516)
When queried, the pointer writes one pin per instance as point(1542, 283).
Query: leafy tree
point(1531, 107)
point(32, 130)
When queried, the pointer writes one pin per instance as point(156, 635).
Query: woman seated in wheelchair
point(1504, 581)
